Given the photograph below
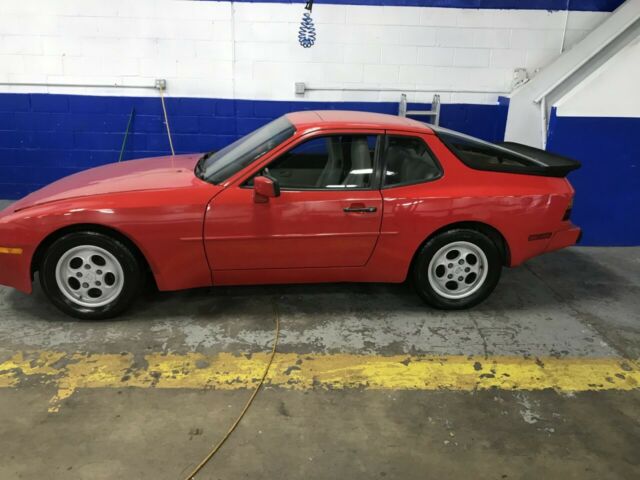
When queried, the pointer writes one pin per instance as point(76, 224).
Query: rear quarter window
point(408, 160)
point(482, 155)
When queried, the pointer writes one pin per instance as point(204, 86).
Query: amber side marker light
point(11, 251)
point(540, 236)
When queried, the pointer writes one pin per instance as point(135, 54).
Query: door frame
point(238, 180)
point(376, 183)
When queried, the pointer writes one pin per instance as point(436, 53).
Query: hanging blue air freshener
point(307, 32)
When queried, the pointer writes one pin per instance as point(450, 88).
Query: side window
point(331, 162)
point(408, 160)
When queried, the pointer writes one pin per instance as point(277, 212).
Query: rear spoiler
point(547, 164)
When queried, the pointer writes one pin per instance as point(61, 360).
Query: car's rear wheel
point(90, 275)
point(457, 269)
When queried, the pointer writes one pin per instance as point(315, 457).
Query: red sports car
point(314, 196)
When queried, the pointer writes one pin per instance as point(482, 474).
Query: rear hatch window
point(508, 157)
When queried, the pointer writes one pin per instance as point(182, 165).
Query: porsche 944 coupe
point(313, 196)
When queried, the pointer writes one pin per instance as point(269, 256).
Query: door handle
point(360, 209)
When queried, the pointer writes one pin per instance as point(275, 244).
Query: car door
point(328, 213)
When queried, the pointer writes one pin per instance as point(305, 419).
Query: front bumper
point(15, 270)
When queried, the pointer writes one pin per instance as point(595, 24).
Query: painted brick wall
point(231, 67)
point(212, 52)
point(44, 137)
point(607, 203)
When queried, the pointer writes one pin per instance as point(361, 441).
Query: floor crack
point(484, 339)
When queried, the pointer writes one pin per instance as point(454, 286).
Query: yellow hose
point(215, 449)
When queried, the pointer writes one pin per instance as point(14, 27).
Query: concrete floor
point(581, 303)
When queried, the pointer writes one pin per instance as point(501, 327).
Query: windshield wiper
point(199, 171)
point(208, 154)
point(199, 168)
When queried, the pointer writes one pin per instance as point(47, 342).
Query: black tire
point(430, 289)
point(129, 282)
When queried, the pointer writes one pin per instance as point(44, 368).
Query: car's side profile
point(316, 196)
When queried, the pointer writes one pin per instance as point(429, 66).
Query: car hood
point(135, 175)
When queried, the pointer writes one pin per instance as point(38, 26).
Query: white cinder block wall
point(610, 91)
point(250, 50)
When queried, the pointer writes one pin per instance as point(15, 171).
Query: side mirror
point(265, 188)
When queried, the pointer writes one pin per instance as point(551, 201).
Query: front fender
point(165, 225)
point(17, 246)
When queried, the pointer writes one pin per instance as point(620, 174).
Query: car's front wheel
point(457, 269)
point(90, 275)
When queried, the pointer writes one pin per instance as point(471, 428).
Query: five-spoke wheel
point(91, 275)
point(457, 269)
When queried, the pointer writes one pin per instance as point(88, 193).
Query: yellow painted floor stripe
point(69, 372)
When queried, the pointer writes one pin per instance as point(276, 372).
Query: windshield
point(217, 167)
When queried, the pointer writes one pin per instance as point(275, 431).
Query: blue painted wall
point(607, 204)
point(46, 137)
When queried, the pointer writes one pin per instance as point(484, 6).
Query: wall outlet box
point(300, 88)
